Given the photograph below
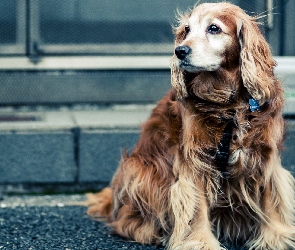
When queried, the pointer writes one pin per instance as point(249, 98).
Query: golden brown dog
point(206, 170)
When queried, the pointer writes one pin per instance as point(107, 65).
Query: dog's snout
point(182, 51)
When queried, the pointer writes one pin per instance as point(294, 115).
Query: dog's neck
point(220, 87)
point(224, 90)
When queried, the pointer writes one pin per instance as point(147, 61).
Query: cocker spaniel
point(206, 171)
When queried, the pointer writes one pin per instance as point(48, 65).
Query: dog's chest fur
point(204, 125)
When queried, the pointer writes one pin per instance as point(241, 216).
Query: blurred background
point(78, 77)
point(103, 51)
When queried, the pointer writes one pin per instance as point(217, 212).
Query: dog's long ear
point(256, 61)
point(177, 79)
point(177, 75)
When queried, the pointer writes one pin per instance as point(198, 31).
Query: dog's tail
point(100, 204)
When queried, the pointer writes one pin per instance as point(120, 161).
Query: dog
point(206, 171)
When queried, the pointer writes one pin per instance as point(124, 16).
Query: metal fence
point(42, 27)
point(74, 51)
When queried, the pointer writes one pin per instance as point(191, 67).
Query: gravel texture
point(65, 228)
point(56, 222)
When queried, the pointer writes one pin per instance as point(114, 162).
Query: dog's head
point(222, 37)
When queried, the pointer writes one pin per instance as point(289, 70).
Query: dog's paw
point(271, 238)
point(100, 204)
point(191, 245)
point(197, 245)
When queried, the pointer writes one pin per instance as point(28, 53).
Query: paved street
point(55, 222)
point(56, 228)
point(39, 223)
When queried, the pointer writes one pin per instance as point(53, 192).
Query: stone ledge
point(37, 157)
point(111, 118)
point(67, 146)
point(125, 116)
point(100, 152)
point(35, 121)
point(79, 146)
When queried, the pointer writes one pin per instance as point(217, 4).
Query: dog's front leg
point(278, 229)
point(192, 229)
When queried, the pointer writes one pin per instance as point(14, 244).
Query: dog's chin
point(191, 68)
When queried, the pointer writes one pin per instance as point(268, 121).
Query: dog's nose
point(182, 51)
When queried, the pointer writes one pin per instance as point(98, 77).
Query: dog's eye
point(187, 28)
point(214, 29)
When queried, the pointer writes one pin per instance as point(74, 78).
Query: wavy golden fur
point(169, 190)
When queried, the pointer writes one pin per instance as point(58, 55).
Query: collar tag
point(254, 105)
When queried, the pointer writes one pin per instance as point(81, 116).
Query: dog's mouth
point(187, 66)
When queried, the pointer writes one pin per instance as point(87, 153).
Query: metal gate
point(46, 45)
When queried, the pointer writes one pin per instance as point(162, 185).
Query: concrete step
point(66, 146)
point(73, 147)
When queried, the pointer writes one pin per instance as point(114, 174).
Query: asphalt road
point(65, 228)
point(55, 222)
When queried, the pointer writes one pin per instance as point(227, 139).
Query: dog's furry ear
point(177, 80)
point(177, 75)
point(256, 61)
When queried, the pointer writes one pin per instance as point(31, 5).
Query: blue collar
point(254, 105)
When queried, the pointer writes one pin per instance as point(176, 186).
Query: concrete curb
point(66, 146)
point(77, 147)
